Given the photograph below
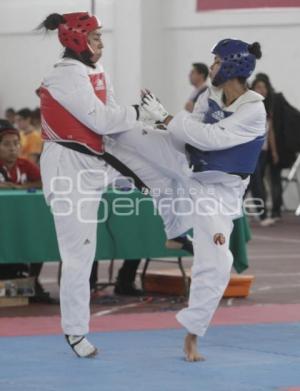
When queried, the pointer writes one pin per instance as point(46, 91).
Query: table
point(27, 231)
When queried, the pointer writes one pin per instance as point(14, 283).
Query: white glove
point(145, 116)
point(153, 107)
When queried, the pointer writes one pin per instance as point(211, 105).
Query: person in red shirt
point(18, 173)
point(15, 172)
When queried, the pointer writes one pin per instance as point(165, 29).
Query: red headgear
point(73, 32)
point(6, 127)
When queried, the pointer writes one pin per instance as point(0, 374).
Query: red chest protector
point(60, 125)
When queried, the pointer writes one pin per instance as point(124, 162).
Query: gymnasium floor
point(253, 343)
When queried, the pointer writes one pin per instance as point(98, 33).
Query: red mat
point(46, 325)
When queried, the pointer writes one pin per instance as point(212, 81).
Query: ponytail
point(255, 49)
point(52, 22)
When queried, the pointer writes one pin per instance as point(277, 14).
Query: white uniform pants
point(214, 204)
point(215, 200)
point(73, 184)
point(151, 155)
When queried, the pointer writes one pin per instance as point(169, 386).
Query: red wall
point(205, 5)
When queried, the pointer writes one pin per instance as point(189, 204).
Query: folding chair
point(293, 177)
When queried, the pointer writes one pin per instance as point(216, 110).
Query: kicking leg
point(164, 177)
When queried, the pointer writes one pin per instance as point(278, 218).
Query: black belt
point(111, 160)
point(199, 168)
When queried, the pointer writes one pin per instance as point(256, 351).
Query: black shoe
point(41, 296)
point(43, 299)
point(127, 290)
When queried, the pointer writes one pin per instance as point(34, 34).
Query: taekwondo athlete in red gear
point(74, 112)
point(79, 114)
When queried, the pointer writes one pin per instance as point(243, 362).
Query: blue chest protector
point(238, 159)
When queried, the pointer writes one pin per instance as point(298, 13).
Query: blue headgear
point(236, 59)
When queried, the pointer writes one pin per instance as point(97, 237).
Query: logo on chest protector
point(218, 115)
point(99, 85)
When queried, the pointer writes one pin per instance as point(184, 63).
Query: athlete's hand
point(143, 115)
point(153, 107)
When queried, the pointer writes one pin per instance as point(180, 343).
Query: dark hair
point(36, 114)
point(7, 127)
point(24, 113)
point(255, 49)
point(265, 78)
point(268, 101)
point(10, 110)
point(36, 117)
point(84, 57)
point(52, 22)
point(201, 68)
point(242, 80)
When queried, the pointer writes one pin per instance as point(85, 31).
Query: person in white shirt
point(198, 76)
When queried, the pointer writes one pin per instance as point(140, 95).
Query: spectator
point(15, 172)
point(257, 185)
point(18, 173)
point(36, 118)
point(198, 76)
point(31, 138)
point(279, 155)
point(10, 115)
point(125, 284)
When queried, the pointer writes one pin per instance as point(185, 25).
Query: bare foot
point(191, 350)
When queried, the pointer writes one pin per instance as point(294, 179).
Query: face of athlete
point(215, 67)
point(9, 148)
point(96, 44)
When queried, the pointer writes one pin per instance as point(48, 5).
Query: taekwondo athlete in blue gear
point(237, 61)
point(240, 160)
point(225, 133)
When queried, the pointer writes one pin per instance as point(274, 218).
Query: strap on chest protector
point(112, 161)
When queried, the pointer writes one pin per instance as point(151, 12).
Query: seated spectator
point(125, 284)
point(10, 115)
point(198, 77)
point(18, 173)
point(15, 172)
point(36, 118)
point(31, 138)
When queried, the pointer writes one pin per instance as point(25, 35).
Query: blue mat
point(239, 358)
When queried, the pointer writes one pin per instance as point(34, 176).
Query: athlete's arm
point(247, 123)
point(74, 91)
